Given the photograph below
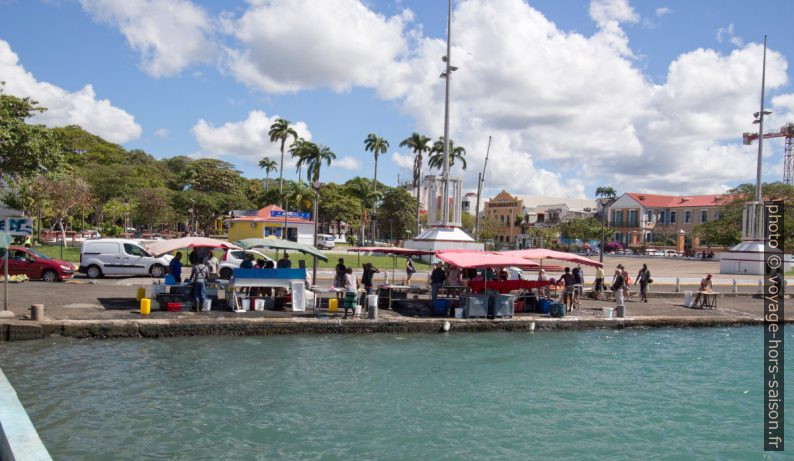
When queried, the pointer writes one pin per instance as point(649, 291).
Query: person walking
point(199, 275)
point(617, 287)
point(599, 282)
point(643, 277)
point(410, 270)
point(437, 279)
point(175, 267)
point(578, 280)
point(626, 283)
point(567, 294)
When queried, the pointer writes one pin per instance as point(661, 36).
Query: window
point(649, 216)
point(704, 216)
point(618, 218)
point(647, 236)
point(688, 217)
point(672, 217)
point(133, 250)
point(633, 218)
point(661, 217)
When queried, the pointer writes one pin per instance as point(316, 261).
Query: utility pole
point(446, 75)
point(480, 180)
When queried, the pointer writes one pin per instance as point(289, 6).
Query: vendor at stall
point(175, 267)
point(437, 278)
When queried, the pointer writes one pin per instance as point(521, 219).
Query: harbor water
point(601, 394)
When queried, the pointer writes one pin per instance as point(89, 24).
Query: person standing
point(567, 293)
point(437, 278)
point(351, 290)
point(248, 262)
point(212, 264)
point(643, 277)
point(617, 287)
point(284, 262)
point(199, 275)
point(410, 270)
point(366, 278)
point(339, 277)
point(626, 282)
point(599, 282)
point(175, 267)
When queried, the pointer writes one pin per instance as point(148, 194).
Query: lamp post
point(316, 185)
point(445, 75)
point(759, 119)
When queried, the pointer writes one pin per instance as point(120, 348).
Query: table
point(264, 278)
point(453, 291)
point(506, 286)
point(392, 288)
point(709, 300)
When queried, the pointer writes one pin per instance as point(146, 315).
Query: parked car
point(232, 259)
point(325, 241)
point(119, 257)
point(27, 261)
point(670, 253)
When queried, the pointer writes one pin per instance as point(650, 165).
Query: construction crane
point(786, 131)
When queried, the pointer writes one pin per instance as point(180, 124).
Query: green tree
point(436, 159)
point(582, 229)
point(606, 192)
point(419, 144)
point(396, 213)
point(280, 131)
point(336, 206)
point(80, 147)
point(212, 175)
point(25, 150)
point(377, 146)
point(152, 206)
point(269, 165)
point(362, 189)
point(298, 150)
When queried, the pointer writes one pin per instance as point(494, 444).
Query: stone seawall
point(21, 330)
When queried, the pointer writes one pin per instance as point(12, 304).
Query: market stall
point(393, 252)
point(292, 281)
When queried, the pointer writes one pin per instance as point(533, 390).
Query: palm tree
point(269, 165)
point(606, 192)
point(298, 150)
point(377, 146)
point(280, 131)
point(436, 159)
point(361, 189)
point(419, 144)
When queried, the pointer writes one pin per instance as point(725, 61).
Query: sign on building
point(17, 226)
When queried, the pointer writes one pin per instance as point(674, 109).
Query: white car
point(233, 258)
point(325, 241)
point(102, 257)
point(670, 253)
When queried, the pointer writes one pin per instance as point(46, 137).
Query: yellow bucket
point(141, 293)
point(333, 305)
point(146, 306)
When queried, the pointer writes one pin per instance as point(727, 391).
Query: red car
point(35, 265)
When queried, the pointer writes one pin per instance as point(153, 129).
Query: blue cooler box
point(544, 306)
point(557, 310)
point(441, 307)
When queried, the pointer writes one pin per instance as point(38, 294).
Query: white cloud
point(728, 32)
point(663, 11)
point(291, 45)
point(246, 140)
point(405, 161)
point(348, 163)
point(169, 34)
point(162, 133)
point(81, 107)
point(571, 112)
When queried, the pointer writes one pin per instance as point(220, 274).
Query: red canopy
point(482, 259)
point(391, 251)
point(542, 253)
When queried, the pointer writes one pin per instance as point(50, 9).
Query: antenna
point(480, 180)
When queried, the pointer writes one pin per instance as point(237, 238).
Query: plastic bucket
point(141, 293)
point(458, 312)
point(372, 300)
point(688, 298)
point(333, 305)
point(146, 306)
point(607, 312)
point(207, 305)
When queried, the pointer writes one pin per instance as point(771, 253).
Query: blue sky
point(644, 96)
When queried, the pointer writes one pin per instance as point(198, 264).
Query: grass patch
point(70, 254)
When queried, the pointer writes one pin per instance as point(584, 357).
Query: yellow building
point(271, 221)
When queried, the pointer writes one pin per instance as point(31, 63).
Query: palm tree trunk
point(267, 182)
point(374, 203)
point(281, 170)
point(418, 203)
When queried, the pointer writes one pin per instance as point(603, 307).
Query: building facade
point(649, 219)
point(271, 221)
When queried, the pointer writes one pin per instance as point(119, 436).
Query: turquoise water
point(630, 394)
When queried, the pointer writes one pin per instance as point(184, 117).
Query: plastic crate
point(475, 306)
point(441, 307)
point(503, 305)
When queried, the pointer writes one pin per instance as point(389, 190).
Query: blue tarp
point(298, 274)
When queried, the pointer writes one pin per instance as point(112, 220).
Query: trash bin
point(621, 311)
point(372, 306)
point(607, 311)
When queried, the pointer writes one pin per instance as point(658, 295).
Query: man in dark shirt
point(366, 278)
point(437, 278)
point(567, 294)
point(248, 262)
point(284, 262)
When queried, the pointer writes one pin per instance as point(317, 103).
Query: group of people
point(202, 269)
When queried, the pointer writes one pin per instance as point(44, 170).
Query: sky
point(644, 96)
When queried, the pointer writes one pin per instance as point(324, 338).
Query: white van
point(119, 257)
point(325, 241)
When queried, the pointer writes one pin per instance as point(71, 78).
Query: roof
point(678, 201)
point(573, 204)
point(263, 215)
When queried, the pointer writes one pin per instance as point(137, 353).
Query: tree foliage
point(396, 213)
point(25, 150)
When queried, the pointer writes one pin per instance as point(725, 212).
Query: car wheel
point(157, 271)
point(93, 272)
point(49, 275)
point(226, 273)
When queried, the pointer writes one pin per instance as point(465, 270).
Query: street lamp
point(316, 186)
